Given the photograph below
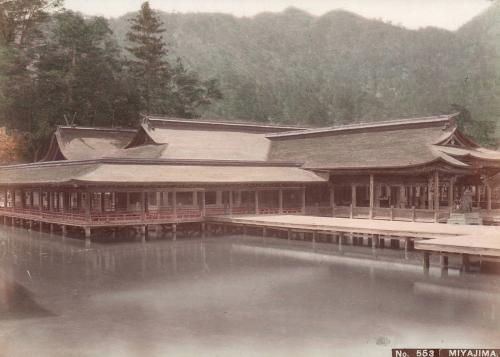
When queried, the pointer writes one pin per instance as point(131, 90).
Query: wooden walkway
point(478, 244)
point(368, 226)
point(443, 239)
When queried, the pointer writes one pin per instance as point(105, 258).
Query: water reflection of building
point(173, 171)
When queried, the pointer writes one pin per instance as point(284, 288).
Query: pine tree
point(149, 66)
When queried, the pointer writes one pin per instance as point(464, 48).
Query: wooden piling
point(88, 237)
point(427, 261)
point(465, 263)
point(174, 232)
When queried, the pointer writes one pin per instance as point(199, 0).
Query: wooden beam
point(280, 198)
point(353, 195)
point(303, 200)
point(372, 194)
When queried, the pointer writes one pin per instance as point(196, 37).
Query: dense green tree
point(164, 89)
point(148, 65)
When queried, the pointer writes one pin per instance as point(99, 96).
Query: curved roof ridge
point(223, 123)
point(96, 128)
point(369, 125)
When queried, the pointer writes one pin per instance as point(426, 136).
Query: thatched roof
point(391, 144)
point(80, 143)
point(109, 171)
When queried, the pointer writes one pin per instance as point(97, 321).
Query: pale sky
point(449, 14)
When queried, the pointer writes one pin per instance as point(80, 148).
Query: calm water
point(231, 296)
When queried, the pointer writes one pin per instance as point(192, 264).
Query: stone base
point(465, 218)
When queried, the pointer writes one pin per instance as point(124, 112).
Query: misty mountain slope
point(292, 67)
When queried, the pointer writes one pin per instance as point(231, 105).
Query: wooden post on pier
point(372, 195)
point(374, 243)
point(314, 236)
point(436, 196)
point(289, 234)
point(281, 201)
point(64, 230)
point(392, 213)
point(174, 204)
point(443, 259)
point(88, 233)
point(341, 237)
point(413, 214)
point(174, 232)
point(203, 229)
point(332, 200)
point(303, 211)
point(427, 261)
point(488, 197)
point(256, 202)
point(143, 230)
point(406, 242)
point(465, 263)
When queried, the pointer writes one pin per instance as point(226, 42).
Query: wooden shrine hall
point(171, 171)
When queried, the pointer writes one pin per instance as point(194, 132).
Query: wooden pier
point(443, 239)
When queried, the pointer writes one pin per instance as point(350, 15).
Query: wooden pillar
point(353, 195)
point(102, 202)
point(430, 197)
point(143, 206)
point(289, 234)
point(143, 232)
point(436, 191)
point(87, 236)
point(281, 201)
point(303, 200)
point(230, 193)
point(332, 199)
point(374, 243)
point(256, 202)
point(372, 194)
point(341, 237)
point(427, 260)
point(465, 263)
point(451, 193)
point(444, 261)
point(488, 197)
point(64, 230)
point(174, 231)
point(203, 204)
point(87, 206)
point(203, 229)
point(174, 204)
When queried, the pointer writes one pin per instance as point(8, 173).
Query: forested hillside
point(292, 67)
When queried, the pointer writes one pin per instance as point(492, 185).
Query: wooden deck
point(477, 244)
point(369, 226)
